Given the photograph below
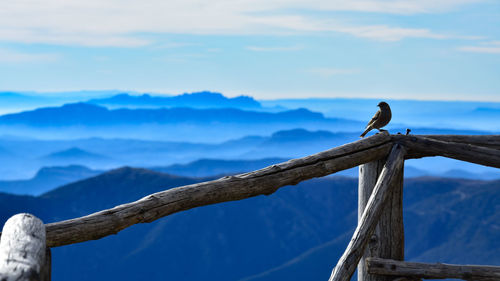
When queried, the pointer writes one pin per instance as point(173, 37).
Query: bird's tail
point(366, 132)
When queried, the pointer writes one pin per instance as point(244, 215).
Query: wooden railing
point(376, 247)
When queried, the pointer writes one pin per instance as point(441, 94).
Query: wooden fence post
point(346, 265)
point(388, 238)
point(23, 252)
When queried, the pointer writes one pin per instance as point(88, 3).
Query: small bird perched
point(380, 119)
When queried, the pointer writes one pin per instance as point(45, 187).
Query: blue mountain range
point(46, 179)
point(94, 115)
point(203, 99)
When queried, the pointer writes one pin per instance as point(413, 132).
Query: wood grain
point(388, 239)
point(22, 249)
point(419, 147)
point(490, 141)
point(433, 270)
point(347, 264)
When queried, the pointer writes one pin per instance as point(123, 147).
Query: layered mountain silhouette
point(83, 120)
point(74, 153)
point(214, 167)
point(296, 233)
point(95, 115)
point(47, 179)
point(471, 115)
point(205, 99)
point(413, 113)
point(26, 156)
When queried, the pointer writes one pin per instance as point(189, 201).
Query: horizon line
point(264, 96)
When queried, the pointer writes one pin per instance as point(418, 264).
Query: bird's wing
point(374, 118)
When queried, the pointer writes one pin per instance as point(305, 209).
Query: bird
point(380, 119)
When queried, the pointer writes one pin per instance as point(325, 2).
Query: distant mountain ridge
point(47, 179)
point(215, 167)
point(26, 156)
point(205, 99)
point(74, 153)
point(414, 113)
point(94, 115)
point(83, 120)
point(471, 115)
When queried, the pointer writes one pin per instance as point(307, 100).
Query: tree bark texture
point(388, 239)
point(490, 141)
point(433, 271)
point(419, 147)
point(23, 250)
point(347, 264)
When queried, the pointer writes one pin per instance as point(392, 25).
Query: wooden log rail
point(266, 181)
point(433, 271)
point(490, 141)
point(23, 254)
point(419, 147)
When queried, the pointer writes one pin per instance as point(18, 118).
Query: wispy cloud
point(71, 37)
point(115, 23)
point(384, 32)
point(174, 45)
point(327, 72)
point(492, 47)
point(10, 56)
point(274, 49)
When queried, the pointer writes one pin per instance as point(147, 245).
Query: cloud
point(487, 50)
point(327, 72)
point(492, 47)
point(173, 45)
point(10, 56)
point(125, 23)
point(274, 49)
point(374, 32)
point(88, 39)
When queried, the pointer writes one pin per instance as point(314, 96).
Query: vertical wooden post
point(23, 252)
point(382, 191)
point(388, 238)
point(46, 271)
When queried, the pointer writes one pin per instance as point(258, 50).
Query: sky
point(268, 49)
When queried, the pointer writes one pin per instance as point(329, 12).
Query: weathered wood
point(419, 147)
point(433, 270)
point(46, 274)
point(371, 215)
point(22, 249)
point(490, 141)
point(388, 239)
point(407, 279)
point(264, 181)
